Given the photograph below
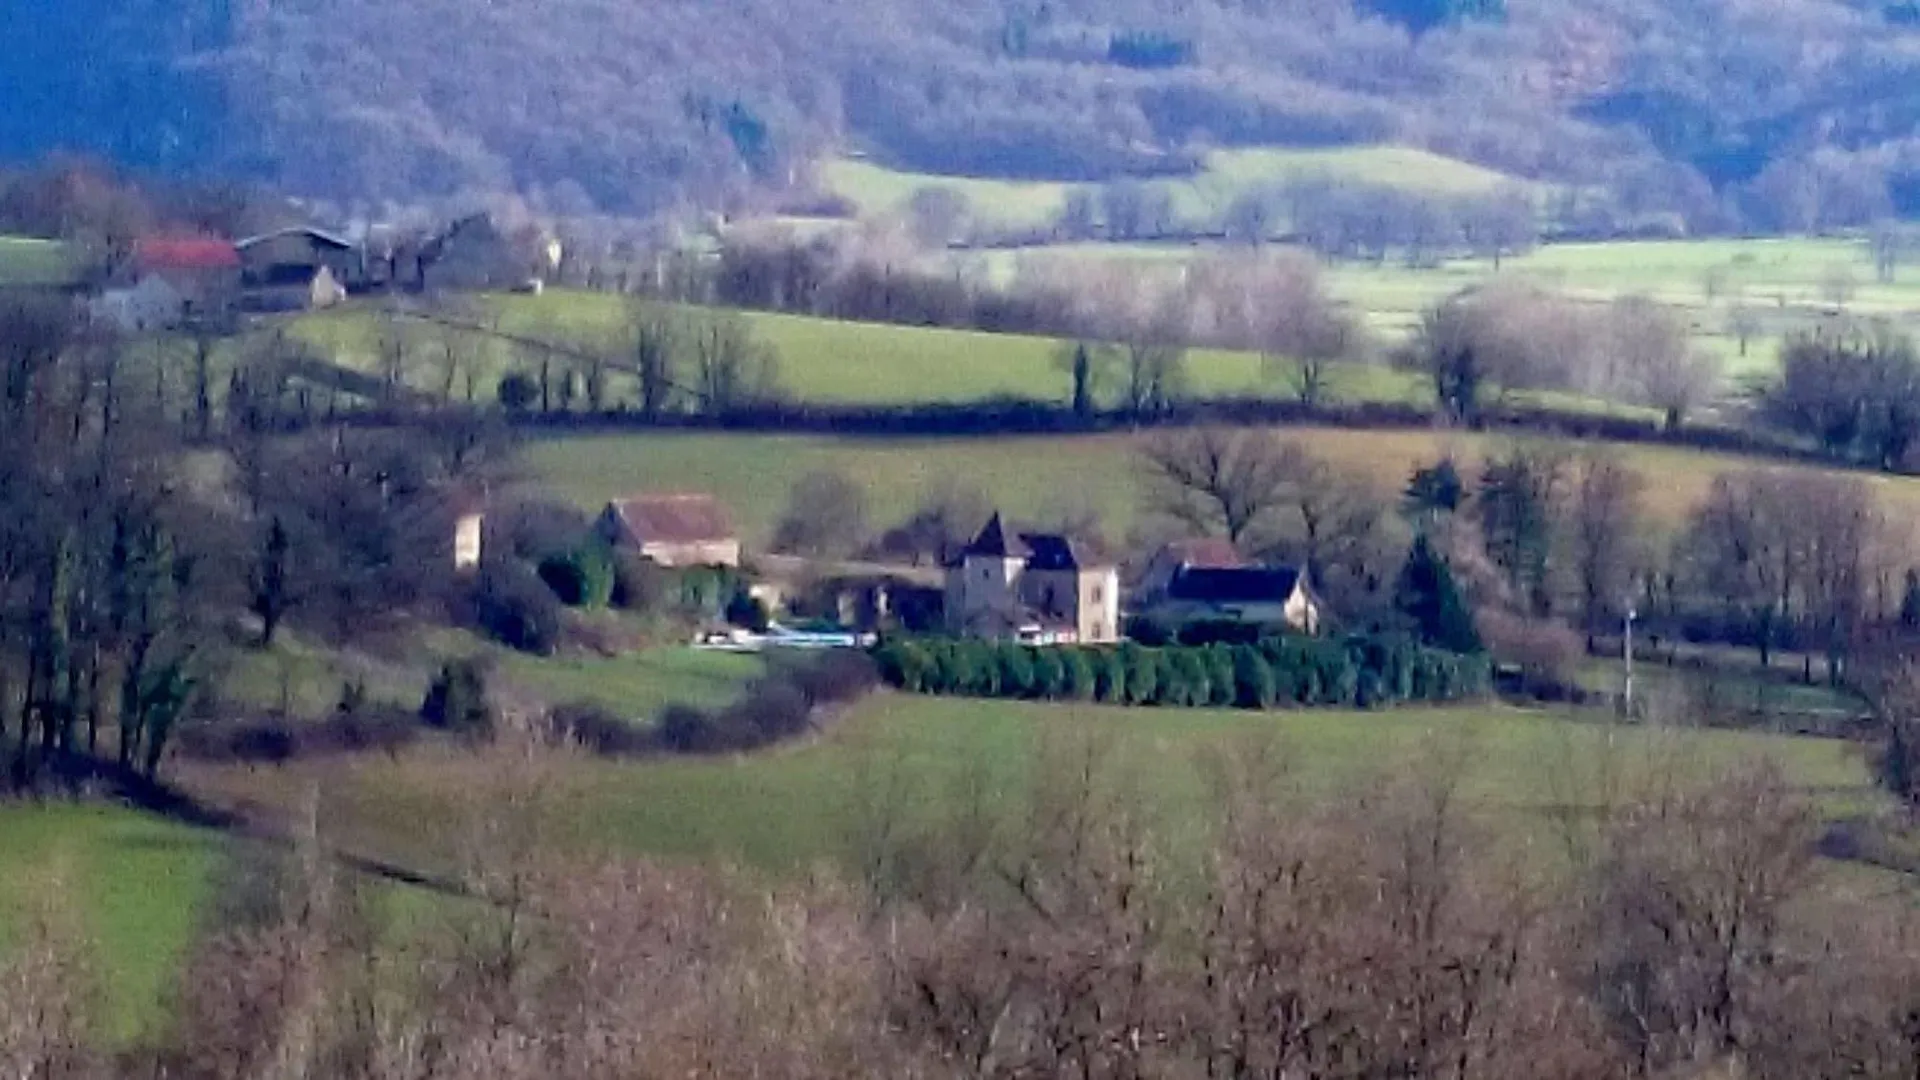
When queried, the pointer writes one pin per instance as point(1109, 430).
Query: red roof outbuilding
point(185, 253)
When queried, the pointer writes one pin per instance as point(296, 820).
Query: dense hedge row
point(1358, 672)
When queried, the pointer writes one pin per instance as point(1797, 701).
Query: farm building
point(475, 253)
point(1038, 587)
point(1182, 555)
point(1265, 595)
point(171, 282)
point(672, 530)
point(297, 269)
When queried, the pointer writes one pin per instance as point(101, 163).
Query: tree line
point(1359, 672)
point(136, 555)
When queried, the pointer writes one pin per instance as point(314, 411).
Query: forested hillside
point(1774, 113)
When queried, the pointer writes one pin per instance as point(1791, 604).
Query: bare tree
point(826, 516)
point(1221, 481)
point(731, 370)
point(1653, 349)
point(1154, 362)
point(1605, 534)
point(1838, 285)
point(939, 215)
point(1745, 324)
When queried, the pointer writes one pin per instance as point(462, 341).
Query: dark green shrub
point(1252, 679)
point(519, 392)
point(639, 584)
point(1143, 675)
point(1016, 667)
point(457, 699)
point(581, 578)
point(1189, 684)
point(1078, 681)
point(745, 610)
point(906, 665)
point(1050, 673)
point(684, 729)
point(1364, 671)
point(1110, 677)
point(1221, 677)
point(517, 609)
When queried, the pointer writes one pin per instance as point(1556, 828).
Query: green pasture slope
point(25, 261)
point(307, 678)
point(131, 887)
point(829, 361)
point(1034, 478)
point(139, 889)
point(876, 190)
point(797, 806)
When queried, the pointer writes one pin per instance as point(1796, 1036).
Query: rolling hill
point(1783, 114)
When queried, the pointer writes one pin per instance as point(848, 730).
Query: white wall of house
point(467, 531)
point(703, 553)
point(152, 303)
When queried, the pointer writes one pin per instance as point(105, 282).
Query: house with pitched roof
point(169, 282)
point(1277, 596)
point(1039, 587)
point(296, 269)
point(1209, 553)
point(673, 530)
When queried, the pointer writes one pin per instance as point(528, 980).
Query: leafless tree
point(1745, 324)
point(1838, 285)
point(1653, 349)
point(1608, 522)
point(731, 370)
point(939, 215)
point(826, 516)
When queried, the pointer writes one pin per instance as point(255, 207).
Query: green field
point(876, 190)
point(130, 886)
point(1031, 478)
point(29, 262)
point(1783, 282)
point(137, 888)
point(831, 361)
point(792, 807)
point(826, 360)
point(306, 679)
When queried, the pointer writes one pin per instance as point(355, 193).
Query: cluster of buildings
point(172, 282)
point(1037, 588)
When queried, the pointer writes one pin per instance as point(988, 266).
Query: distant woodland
point(1767, 114)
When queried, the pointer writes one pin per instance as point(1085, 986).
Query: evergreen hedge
point(1363, 672)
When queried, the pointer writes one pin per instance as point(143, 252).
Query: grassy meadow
point(25, 261)
point(301, 678)
point(130, 888)
point(876, 190)
point(927, 759)
point(1781, 285)
point(1785, 284)
point(1033, 478)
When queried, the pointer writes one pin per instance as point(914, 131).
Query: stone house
point(1279, 596)
point(672, 530)
point(1038, 587)
point(475, 254)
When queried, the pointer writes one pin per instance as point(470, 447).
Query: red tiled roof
point(185, 253)
point(1207, 554)
point(674, 519)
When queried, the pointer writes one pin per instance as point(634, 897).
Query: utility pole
point(1627, 650)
